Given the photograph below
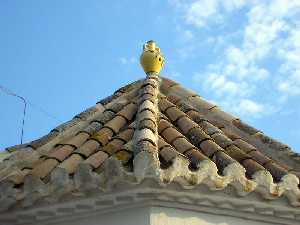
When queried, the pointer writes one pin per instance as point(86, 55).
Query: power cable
point(26, 102)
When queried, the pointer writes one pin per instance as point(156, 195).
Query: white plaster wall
point(172, 216)
point(137, 216)
point(154, 216)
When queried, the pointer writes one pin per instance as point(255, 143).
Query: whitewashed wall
point(157, 216)
point(168, 216)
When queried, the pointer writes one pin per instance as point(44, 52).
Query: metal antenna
point(9, 92)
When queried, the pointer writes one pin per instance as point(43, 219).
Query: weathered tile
point(230, 134)
point(201, 104)
point(108, 99)
point(182, 145)
point(125, 135)
point(222, 160)
point(185, 124)
point(93, 127)
point(44, 168)
point(103, 136)
point(166, 152)
point(147, 114)
point(170, 134)
point(145, 135)
point(165, 104)
point(43, 140)
point(123, 156)
point(174, 113)
point(245, 146)
point(96, 159)
point(259, 157)
point(71, 163)
point(163, 124)
point(116, 124)
point(110, 148)
point(147, 123)
point(196, 136)
point(195, 158)
point(88, 148)
point(174, 99)
point(276, 171)
point(77, 140)
point(236, 153)
point(128, 111)
point(251, 167)
point(222, 140)
point(62, 152)
point(196, 116)
point(209, 147)
point(87, 113)
point(245, 127)
point(209, 128)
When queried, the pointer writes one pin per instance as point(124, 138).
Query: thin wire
point(26, 102)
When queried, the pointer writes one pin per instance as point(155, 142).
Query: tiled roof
point(154, 128)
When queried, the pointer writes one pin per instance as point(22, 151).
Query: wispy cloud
point(125, 60)
point(267, 53)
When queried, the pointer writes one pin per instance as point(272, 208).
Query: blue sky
point(63, 56)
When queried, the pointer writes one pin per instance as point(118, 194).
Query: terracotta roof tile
point(245, 127)
point(71, 163)
point(174, 114)
point(236, 153)
point(182, 145)
point(209, 147)
point(155, 118)
point(171, 134)
point(128, 112)
point(77, 140)
point(111, 148)
point(259, 157)
point(222, 160)
point(245, 146)
point(116, 124)
point(62, 152)
point(96, 159)
point(43, 140)
point(166, 152)
point(251, 167)
point(88, 148)
point(125, 135)
point(222, 140)
point(195, 157)
point(276, 171)
point(93, 127)
point(196, 116)
point(123, 156)
point(209, 128)
point(147, 114)
point(163, 124)
point(147, 123)
point(185, 124)
point(196, 136)
point(108, 99)
point(104, 135)
point(44, 168)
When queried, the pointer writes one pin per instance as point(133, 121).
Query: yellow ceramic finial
point(151, 58)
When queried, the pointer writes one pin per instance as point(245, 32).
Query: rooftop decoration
point(151, 58)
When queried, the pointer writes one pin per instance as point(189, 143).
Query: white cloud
point(200, 11)
point(125, 61)
point(267, 55)
point(249, 106)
